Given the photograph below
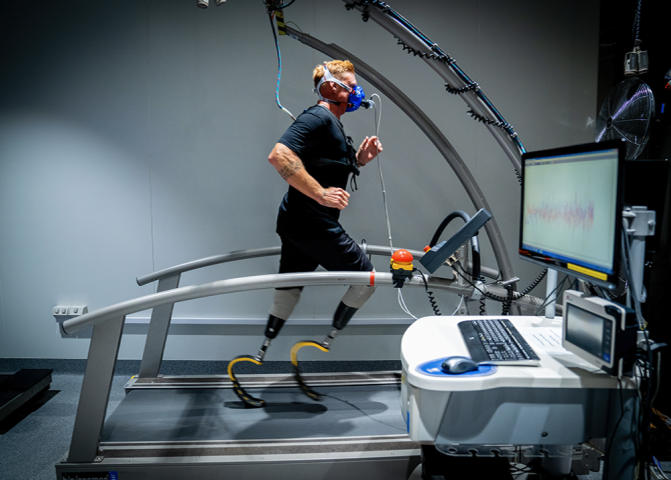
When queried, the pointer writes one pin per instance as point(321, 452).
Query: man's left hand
point(368, 150)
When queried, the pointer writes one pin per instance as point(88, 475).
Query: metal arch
point(430, 130)
point(449, 71)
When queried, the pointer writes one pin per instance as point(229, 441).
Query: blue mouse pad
point(434, 368)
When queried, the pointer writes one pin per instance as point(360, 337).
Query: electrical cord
point(377, 111)
point(429, 294)
point(483, 306)
point(489, 121)
point(637, 25)
point(462, 90)
point(505, 308)
point(491, 296)
point(364, 412)
point(404, 307)
point(463, 274)
point(271, 16)
point(644, 366)
point(551, 296)
point(611, 440)
point(461, 302)
point(378, 121)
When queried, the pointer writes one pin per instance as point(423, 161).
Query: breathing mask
point(356, 95)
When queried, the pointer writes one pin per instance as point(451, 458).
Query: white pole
point(551, 293)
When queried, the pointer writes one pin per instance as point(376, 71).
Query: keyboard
point(497, 342)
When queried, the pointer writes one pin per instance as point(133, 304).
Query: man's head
point(334, 86)
point(338, 68)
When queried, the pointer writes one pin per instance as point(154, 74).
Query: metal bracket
point(641, 221)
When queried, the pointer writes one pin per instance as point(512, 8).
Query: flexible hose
point(271, 16)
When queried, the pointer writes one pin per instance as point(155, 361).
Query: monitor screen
point(572, 209)
point(587, 331)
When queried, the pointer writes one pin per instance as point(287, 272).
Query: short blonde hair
point(337, 68)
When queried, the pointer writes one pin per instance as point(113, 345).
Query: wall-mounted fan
point(626, 114)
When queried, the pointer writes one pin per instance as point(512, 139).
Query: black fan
point(626, 114)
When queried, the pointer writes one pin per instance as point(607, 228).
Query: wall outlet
point(62, 312)
point(78, 310)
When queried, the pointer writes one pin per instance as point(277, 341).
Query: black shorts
point(339, 253)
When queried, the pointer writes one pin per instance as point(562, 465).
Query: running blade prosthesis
point(242, 394)
point(253, 402)
point(305, 388)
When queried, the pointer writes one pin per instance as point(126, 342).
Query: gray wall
point(134, 137)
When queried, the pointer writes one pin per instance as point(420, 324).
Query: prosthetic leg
point(342, 316)
point(283, 304)
point(354, 298)
point(272, 329)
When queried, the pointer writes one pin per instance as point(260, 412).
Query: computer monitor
point(571, 210)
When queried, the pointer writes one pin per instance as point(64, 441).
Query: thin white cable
point(404, 307)
point(459, 305)
point(378, 119)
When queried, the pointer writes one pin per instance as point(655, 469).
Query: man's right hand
point(335, 197)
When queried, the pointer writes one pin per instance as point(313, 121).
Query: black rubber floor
point(180, 415)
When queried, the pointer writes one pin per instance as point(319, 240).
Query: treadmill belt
point(207, 414)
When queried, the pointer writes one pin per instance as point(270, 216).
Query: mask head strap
point(327, 77)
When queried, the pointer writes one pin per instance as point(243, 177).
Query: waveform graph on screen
point(570, 219)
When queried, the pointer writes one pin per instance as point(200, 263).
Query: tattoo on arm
point(291, 167)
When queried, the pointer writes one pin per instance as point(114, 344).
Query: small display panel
point(588, 331)
point(599, 331)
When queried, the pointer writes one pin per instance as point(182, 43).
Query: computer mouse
point(456, 365)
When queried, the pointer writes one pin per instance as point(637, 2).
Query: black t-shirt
point(318, 139)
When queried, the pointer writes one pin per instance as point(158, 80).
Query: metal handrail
point(262, 252)
point(242, 255)
point(260, 282)
point(243, 284)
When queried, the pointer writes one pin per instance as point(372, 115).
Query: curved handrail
point(261, 252)
point(259, 282)
point(241, 284)
point(241, 255)
point(207, 262)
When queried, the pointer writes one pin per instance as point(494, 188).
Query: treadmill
point(196, 427)
point(176, 427)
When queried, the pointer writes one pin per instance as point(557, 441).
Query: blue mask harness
point(356, 94)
